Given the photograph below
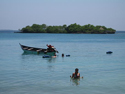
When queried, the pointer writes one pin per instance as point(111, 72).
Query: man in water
point(76, 74)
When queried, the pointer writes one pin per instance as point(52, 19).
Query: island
point(72, 28)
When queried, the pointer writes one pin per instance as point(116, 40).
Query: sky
point(16, 14)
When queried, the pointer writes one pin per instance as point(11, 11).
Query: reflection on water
point(50, 59)
point(36, 62)
point(75, 81)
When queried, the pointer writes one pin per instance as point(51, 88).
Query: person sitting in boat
point(50, 48)
point(76, 74)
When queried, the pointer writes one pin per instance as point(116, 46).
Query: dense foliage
point(73, 28)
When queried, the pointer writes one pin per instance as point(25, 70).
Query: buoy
point(109, 52)
point(46, 56)
point(67, 55)
point(62, 55)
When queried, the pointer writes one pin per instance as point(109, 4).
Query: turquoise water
point(31, 74)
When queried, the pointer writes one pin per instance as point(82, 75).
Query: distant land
point(120, 31)
point(8, 31)
point(72, 28)
point(17, 31)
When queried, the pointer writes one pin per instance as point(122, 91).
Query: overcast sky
point(16, 14)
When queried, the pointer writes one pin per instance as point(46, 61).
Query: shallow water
point(103, 73)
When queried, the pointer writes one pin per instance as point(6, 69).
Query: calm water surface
point(103, 73)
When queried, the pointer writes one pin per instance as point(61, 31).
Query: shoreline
point(17, 31)
point(67, 33)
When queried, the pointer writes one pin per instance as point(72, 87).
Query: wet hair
point(76, 69)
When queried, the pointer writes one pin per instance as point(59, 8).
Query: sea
point(24, 73)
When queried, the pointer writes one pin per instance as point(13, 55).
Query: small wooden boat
point(50, 50)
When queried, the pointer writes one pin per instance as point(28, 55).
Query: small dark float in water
point(109, 52)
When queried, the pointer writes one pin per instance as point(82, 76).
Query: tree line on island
point(72, 28)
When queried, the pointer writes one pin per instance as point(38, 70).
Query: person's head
point(76, 70)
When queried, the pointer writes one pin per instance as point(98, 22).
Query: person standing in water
point(76, 74)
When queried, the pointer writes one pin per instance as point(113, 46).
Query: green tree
point(72, 28)
point(27, 29)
